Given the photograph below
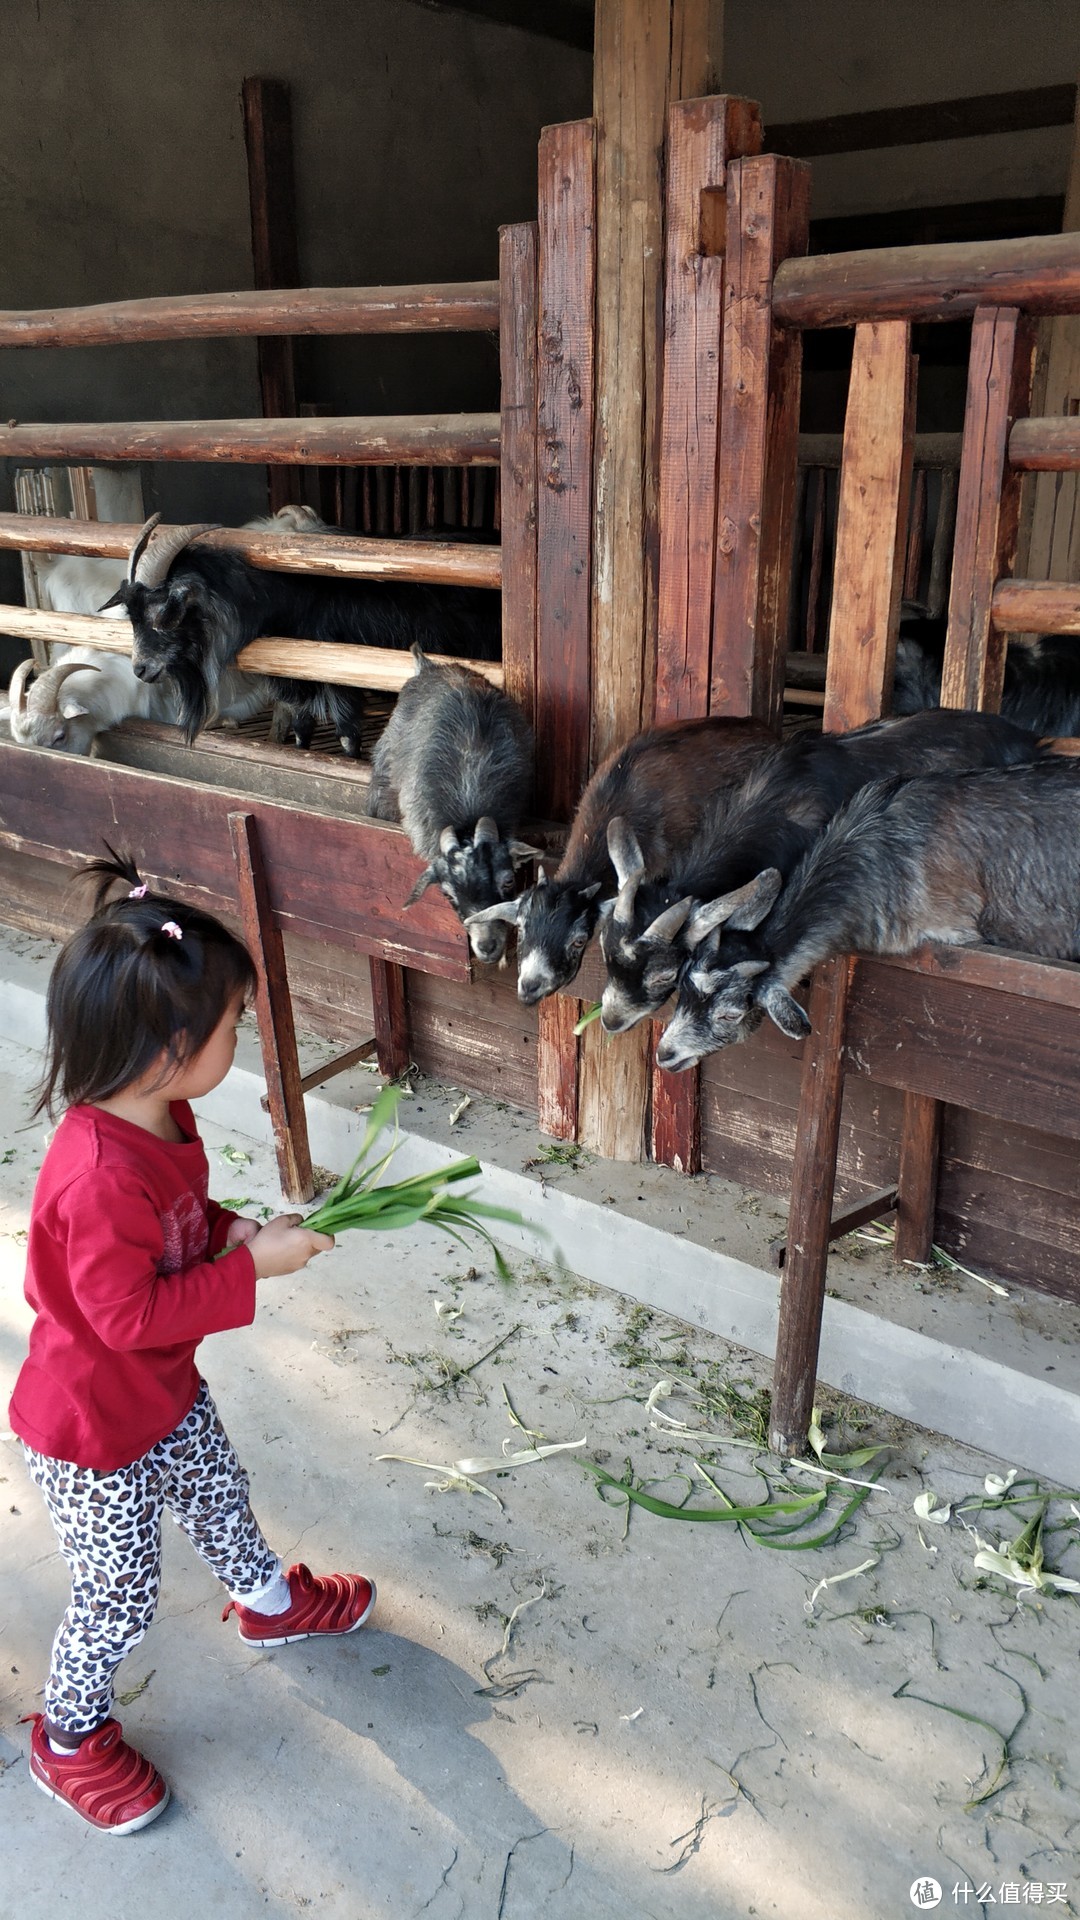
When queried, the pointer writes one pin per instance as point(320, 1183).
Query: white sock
point(55, 1747)
point(274, 1597)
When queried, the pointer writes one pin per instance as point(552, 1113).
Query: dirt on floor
point(567, 1705)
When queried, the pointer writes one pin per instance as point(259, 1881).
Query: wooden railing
point(1001, 285)
point(456, 441)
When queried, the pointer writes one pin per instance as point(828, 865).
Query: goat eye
point(59, 736)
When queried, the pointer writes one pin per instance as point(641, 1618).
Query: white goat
point(41, 715)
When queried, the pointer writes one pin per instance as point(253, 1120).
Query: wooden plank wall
point(1008, 1194)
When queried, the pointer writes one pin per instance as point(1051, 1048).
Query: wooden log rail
point(416, 440)
point(1046, 445)
point(380, 668)
point(440, 562)
point(466, 307)
point(1036, 606)
point(943, 281)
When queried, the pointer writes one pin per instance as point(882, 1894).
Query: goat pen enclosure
point(247, 827)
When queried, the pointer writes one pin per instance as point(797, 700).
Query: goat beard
point(195, 700)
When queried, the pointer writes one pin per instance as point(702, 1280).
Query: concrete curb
point(1013, 1415)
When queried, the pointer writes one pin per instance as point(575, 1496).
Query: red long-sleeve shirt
point(119, 1274)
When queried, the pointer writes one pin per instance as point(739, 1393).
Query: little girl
point(115, 1421)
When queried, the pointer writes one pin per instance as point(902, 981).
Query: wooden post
point(272, 193)
point(987, 506)
point(1049, 535)
point(277, 1033)
point(802, 1292)
point(871, 526)
point(564, 452)
point(389, 1017)
point(703, 135)
point(768, 211)
point(565, 387)
point(557, 1066)
point(920, 1150)
point(647, 53)
point(517, 359)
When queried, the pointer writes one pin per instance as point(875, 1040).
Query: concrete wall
point(805, 61)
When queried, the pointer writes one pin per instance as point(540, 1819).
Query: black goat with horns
point(193, 609)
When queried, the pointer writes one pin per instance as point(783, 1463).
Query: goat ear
point(590, 893)
point(508, 910)
point(71, 710)
point(785, 1012)
point(751, 903)
point(427, 879)
point(520, 850)
point(625, 851)
point(744, 908)
point(116, 599)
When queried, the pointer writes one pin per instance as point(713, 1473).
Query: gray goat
point(770, 821)
point(988, 856)
point(454, 764)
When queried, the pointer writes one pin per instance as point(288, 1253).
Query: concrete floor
point(672, 1730)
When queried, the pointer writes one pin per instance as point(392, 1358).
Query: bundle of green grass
point(358, 1201)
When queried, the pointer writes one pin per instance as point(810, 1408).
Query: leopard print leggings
point(109, 1529)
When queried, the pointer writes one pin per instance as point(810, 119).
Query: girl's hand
point(284, 1246)
point(241, 1232)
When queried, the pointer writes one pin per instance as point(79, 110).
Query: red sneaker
point(321, 1603)
point(104, 1781)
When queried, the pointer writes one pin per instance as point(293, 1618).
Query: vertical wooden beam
point(813, 1174)
point(703, 135)
point(1049, 536)
point(768, 212)
point(675, 1114)
point(920, 1151)
point(987, 505)
point(272, 194)
point(389, 1016)
point(517, 359)
point(937, 592)
point(566, 276)
point(871, 526)
point(557, 1066)
point(646, 54)
point(564, 453)
point(277, 1033)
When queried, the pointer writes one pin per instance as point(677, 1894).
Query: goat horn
point(448, 841)
point(45, 692)
point(141, 543)
point(485, 831)
point(17, 689)
point(152, 557)
point(669, 923)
